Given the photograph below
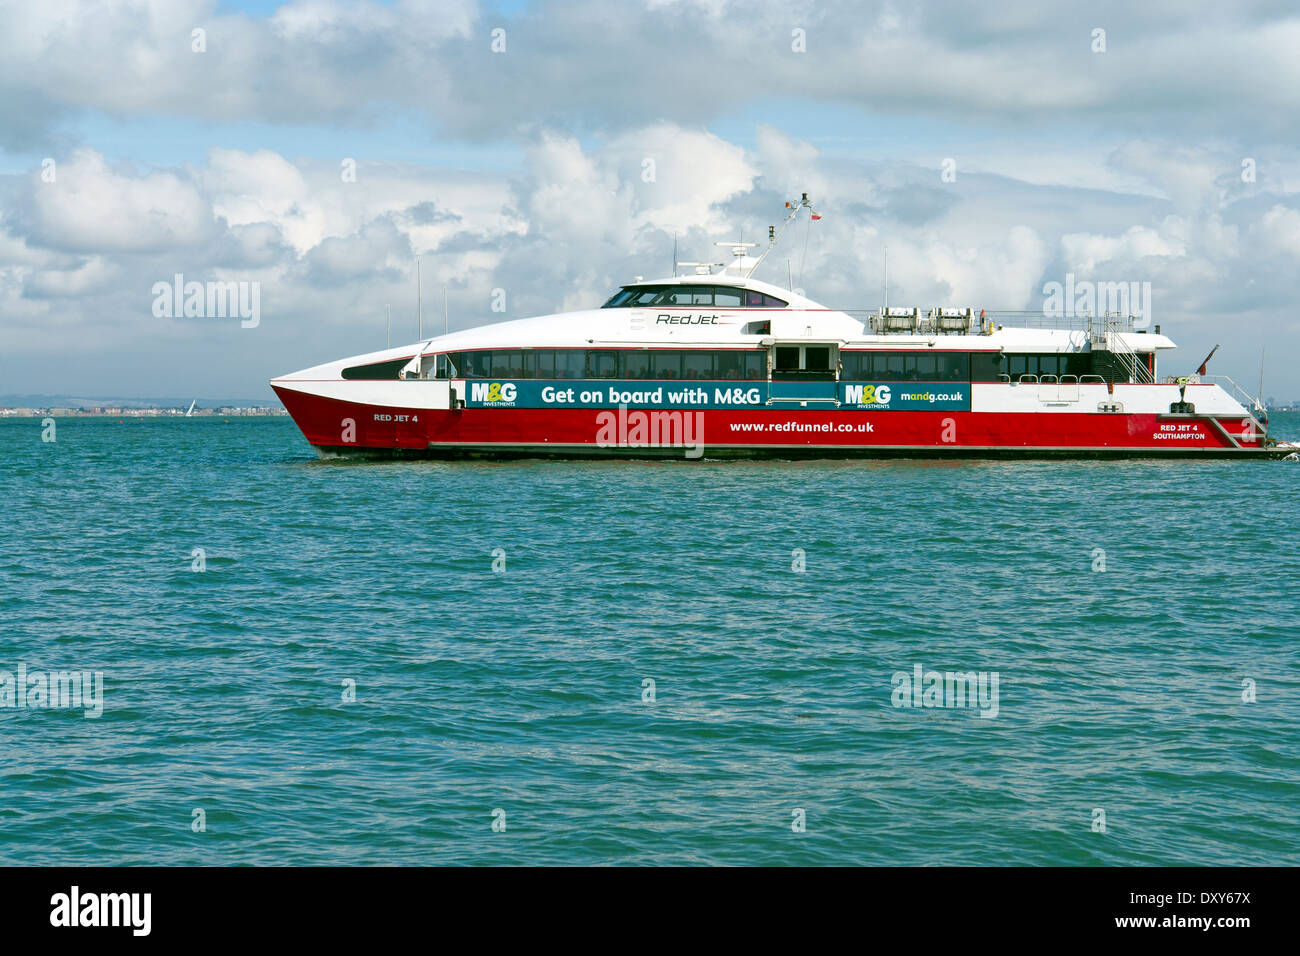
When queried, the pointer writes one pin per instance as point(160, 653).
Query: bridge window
point(692, 296)
point(619, 298)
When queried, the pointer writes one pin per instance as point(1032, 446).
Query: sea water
point(332, 662)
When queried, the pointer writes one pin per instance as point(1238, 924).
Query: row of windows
point(690, 296)
point(729, 364)
point(746, 364)
point(1073, 363)
point(906, 366)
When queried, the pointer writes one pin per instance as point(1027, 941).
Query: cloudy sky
point(553, 148)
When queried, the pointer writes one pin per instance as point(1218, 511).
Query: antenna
point(419, 299)
point(886, 280)
point(446, 315)
point(774, 234)
point(388, 327)
point(1260, 400)
point(674, 254)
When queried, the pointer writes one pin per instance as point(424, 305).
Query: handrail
point(984, 321)
point(1109, 330)
point(1251, 401)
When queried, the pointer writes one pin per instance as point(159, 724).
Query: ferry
point(719, 364)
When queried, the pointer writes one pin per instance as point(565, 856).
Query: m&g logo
point(493, 393)
point(867, 394)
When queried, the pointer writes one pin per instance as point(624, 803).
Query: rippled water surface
point(523, 691)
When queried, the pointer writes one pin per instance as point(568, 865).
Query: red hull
point(347, 426)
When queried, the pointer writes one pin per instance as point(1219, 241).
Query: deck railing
point(982, 323)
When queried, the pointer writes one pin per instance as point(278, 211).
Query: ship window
point(697, 364)
point(1069, 363)
point(730, 365)
point(507, 363)
point(570, 363)
point(635, 365)
point(540, 364)
point(619, 298)
point(985, 366)
point(954, 367)
point(787, 358)
point(666, 363)
point(817, 358)
point(475, 364)
point(677, 297)
point(437, 366)
point(686, 296)
point(906, 366)
point(644, 296)
point(376, 370)
point(602, 364)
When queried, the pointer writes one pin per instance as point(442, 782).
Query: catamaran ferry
point(720, 364)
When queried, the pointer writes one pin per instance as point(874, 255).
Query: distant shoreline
point(261, 412)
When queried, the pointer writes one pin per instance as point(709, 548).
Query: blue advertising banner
point(905, 396)
point(604, 393)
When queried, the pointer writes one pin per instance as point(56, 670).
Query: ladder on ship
point(1108, 332)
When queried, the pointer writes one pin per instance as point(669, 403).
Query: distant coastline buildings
point(114, 411)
